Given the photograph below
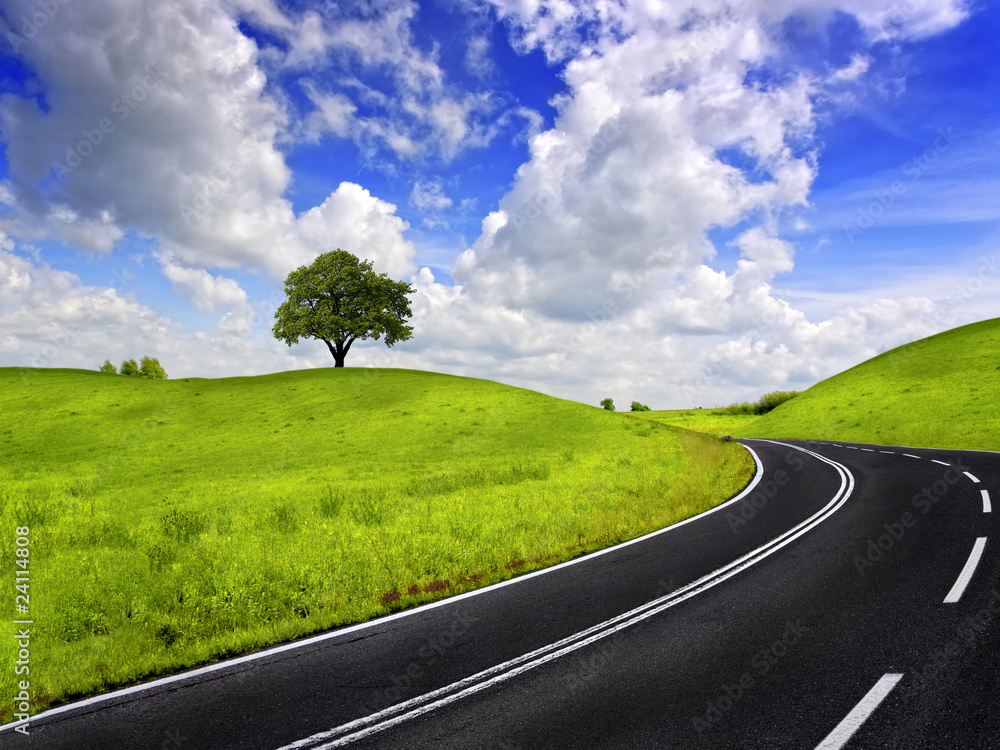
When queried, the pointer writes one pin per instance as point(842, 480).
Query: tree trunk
point(339, 351)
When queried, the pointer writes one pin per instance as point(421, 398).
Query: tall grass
point(175, 522)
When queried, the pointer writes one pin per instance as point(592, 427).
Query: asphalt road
point(850, 599)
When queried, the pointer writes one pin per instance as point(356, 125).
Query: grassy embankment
point(175, 522)
point(939, 392)
point(717, 422)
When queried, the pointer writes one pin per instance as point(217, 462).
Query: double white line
point(402, 712)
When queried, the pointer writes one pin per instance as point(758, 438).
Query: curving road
point(850, 598)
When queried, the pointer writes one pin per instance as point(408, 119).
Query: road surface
point(850, 598)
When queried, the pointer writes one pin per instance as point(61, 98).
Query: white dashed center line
point(853, 721)
point(966, 575)
point(986, 502)
point(971, 477)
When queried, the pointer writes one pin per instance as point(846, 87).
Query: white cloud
point(858, 66)
point(429, 195)
point(334, 114)
point(203, 289)
point(184, 154)
point(593, 276)
point(353, 219)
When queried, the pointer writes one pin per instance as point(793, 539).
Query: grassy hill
point(941, 392)
point(174, 522)
point(711, 421)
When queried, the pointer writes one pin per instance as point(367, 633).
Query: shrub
point(109, 368)
point(773, 400)
point(763, 405)
point(608, 404)
point(149, 367)
point(130, 368)
point(636, 406)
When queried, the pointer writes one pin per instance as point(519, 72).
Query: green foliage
point(773, 400)
point(149, 367)
point(608, 404)
point(130, 368)
point(184, 521)
point(636, 406)
point(338, 299)
point(763, 405)
point(109, 368)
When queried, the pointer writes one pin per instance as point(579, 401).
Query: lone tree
point(338, 300)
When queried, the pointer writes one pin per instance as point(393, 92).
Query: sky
point(676, 202)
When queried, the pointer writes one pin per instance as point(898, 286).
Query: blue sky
point(682, 203)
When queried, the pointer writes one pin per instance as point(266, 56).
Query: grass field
point(710, 421)
point(175, 522)
point(940, 392)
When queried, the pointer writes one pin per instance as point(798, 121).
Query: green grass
point(710, 421)
point(938, 392)
point(175, 522)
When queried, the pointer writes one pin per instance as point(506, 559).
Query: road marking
point(853, 447)
point(971, 477)
point(868, 450)
point(414, 707)
point(986, 502)
point(943, 463)
point(198, 671)
point(966, 575)
point(860, 713)
point(910, 455)
point(890, 452)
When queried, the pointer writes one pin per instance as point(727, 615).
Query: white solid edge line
point(943, 463)
point(860, 713)
point(971, 477)
point(407, 710)
point(987, 508)
point(966, 575)
point(209, 668)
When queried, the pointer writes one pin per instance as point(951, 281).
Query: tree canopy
point(338, 299)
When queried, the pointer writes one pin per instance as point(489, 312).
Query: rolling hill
point(939, 392)
point(179, 521)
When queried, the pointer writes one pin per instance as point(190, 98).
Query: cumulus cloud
point(593, 274)
point(203, 289)
point(160, 124)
